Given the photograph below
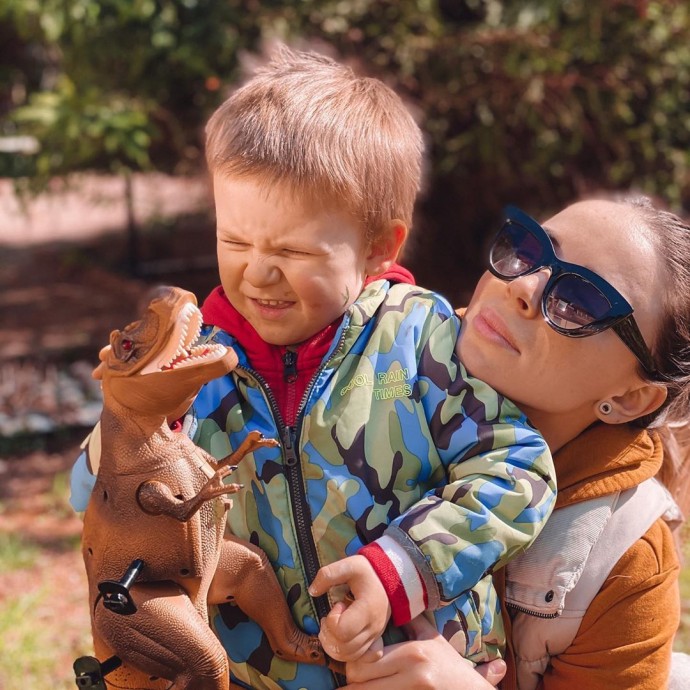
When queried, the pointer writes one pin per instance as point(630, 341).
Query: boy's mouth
point(273, 303)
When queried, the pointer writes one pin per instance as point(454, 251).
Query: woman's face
point(506, 341)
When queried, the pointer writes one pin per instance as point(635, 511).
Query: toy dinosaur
point(153, 541)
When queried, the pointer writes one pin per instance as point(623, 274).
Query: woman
point(602, 385)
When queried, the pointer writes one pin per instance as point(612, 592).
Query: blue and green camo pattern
point(393, 436)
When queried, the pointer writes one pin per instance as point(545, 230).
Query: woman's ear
point(385, 249)
point(635, 403)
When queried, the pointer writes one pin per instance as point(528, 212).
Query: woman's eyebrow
point(552, 237)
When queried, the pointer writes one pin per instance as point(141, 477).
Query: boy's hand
point(349, 630)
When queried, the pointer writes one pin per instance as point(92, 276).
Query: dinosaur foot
point(302, 648)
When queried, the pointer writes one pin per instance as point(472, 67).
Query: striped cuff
point(403, 585)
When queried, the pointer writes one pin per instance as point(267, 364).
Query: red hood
point(396, 274)
point(218, 311)
point(267, 359)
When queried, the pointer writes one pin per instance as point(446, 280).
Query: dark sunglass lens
point(515, 251)
point(574, 302)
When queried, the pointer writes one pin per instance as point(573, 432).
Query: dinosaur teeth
point(185, 332)
point(199, 354)
point(192, 327)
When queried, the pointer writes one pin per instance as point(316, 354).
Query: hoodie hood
point(604, 459)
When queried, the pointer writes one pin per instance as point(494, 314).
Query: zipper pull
point(290, 366)
point(289, 445)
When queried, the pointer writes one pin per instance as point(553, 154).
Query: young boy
point(391, 453)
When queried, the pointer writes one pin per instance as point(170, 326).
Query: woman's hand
point(350, 630)
point(426, 662)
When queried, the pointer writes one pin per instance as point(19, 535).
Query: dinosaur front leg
point(254, 440)
point(165, 638)
point(156, 498)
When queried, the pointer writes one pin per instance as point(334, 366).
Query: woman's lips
point(491, 327)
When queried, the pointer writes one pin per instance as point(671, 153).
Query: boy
point(391, 453)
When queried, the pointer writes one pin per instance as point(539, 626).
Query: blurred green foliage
point(534, 102)
point(118, 83)
point(530, 101)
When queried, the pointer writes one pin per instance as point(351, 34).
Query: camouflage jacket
point(393, 438)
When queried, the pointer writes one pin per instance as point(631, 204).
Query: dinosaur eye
point(127, 345)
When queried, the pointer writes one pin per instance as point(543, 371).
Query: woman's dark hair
point(672, 347)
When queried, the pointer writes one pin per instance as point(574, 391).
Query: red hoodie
point(286, 370)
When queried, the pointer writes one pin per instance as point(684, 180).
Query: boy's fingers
point(354, 621)
point(329, 576)
point(330, 640)
point(337, 610)
point(342, 648)
point(330, 622)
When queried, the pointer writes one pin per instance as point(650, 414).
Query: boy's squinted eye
point(235, 244)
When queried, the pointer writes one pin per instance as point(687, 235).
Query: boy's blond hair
point(332, 136)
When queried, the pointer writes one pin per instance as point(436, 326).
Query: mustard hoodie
point(626, 637)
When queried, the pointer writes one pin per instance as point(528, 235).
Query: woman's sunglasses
point(576, 301)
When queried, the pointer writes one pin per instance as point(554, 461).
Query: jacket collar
point(218, 311)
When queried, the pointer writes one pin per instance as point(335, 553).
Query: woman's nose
point(526, 292)
point(261, 270)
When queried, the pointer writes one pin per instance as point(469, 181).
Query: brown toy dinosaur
point(153, 540)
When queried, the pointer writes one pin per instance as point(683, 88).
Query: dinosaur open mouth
point(180, 350)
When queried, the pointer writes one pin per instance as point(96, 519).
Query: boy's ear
point(635, 403)
point(384, 251)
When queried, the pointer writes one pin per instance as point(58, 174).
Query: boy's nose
point(526, 291)
point(261, 270)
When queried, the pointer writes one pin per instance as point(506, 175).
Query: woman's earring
point(605, 407)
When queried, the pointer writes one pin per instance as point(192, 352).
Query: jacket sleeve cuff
point(403, 584)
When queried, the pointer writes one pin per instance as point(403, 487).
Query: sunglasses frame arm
point(627, 330)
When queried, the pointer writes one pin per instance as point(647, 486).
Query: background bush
point(531, 102)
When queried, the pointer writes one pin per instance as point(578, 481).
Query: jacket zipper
point(290, 366)
point(293, 475)
point(529, 612)
point(298, 499)
point(290, 378)
point(295, 480)
point(302, 516)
